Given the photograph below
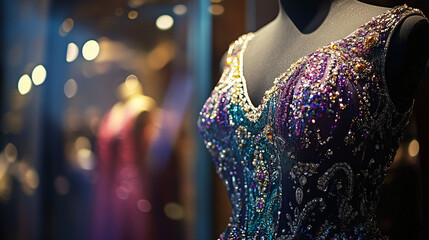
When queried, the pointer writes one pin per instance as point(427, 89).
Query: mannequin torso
point(307, 162)
point(301, 27)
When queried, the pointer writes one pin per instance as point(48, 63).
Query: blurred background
point(98, 108)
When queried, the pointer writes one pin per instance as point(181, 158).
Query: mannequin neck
point(307, 15)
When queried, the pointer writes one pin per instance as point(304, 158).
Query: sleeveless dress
point(307, 162)
point(123, 182)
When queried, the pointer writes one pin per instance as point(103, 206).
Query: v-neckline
point(257, 110)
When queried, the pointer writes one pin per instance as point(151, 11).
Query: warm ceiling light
point(72, 52)
point(24, 84)
point(90, 50)
point(164, 22)
point(38, 75)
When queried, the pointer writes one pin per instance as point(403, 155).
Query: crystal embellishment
point(307, 162)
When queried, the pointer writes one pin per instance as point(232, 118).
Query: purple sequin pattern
point(308, 161)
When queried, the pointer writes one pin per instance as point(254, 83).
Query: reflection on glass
point(90, 50)
point(38, 75)
point(72, 52)
point(24, 84)
point(164, 22)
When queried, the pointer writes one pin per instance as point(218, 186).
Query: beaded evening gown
point(123, 182)
point(308, 161)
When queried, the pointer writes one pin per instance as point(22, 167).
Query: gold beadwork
point(359, 67)
point(371, 39)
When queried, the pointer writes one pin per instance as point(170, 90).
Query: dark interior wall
point(422, 119)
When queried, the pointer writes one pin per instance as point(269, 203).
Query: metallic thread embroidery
point(307, 162)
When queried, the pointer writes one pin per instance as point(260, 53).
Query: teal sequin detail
point(308, 161)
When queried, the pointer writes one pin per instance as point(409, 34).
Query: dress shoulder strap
point(377, 32)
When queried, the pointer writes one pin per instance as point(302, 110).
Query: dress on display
point(307, 162)
point(122, 194)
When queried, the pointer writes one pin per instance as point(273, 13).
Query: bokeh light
point(174, 211)
point(131, 82)
point(122, 193)
point(10, 152)
point(216, 9)
point(413, 148)
point(72, 52)
point(38, 75)
point(90, 50)
point(144, 205)
point(70, 88)
point(164, 22)
point(119, 12)
point(85, 159)
point(66, 27)
point(180, 9)
point(24, 84)
point(133, 14)
point(82, 143)
point(32, 178)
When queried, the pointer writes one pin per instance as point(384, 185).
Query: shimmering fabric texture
point(308, 161)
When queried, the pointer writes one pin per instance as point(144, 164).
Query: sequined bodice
point(308, 161)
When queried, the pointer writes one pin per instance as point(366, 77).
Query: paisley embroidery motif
point(307, 162)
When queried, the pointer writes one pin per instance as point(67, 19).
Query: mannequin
point(132, 103)
point(308, 161)
point(303, 26)
point(122, 173)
